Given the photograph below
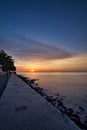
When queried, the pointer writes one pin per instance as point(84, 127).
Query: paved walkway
point(22, 108)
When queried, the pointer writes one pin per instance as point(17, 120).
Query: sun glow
point(32, 70)
point(77, 63)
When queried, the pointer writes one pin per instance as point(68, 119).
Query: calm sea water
point(71, 85)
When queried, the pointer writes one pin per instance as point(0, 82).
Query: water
point(71, 85)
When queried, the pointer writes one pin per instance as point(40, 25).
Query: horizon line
point(51, 71)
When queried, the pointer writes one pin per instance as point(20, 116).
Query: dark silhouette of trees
point(6, 61)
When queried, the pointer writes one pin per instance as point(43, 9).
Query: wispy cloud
point(29, 49)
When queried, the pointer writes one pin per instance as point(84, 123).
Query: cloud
point(25, 48)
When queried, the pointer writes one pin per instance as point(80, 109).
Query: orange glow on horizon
point(78, 63)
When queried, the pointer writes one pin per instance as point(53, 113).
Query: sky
point(45, 35)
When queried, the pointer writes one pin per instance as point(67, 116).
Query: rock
point(76, 119)
point(69, 111)
point(60, 103)
point(81, 109)
point(85, 119)
point(62, 109)
point(50, 98)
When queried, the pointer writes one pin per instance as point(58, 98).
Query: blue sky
point(58, 23)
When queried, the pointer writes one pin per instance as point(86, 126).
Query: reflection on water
point(72, 85)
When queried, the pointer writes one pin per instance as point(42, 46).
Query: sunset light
point(32, 70)
point(47, 43)
point(43, 64)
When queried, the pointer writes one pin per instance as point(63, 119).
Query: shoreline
point(57, 102)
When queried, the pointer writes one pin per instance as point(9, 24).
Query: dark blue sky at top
point(63, 22)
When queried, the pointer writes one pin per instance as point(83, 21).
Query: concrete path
point(21, 108)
